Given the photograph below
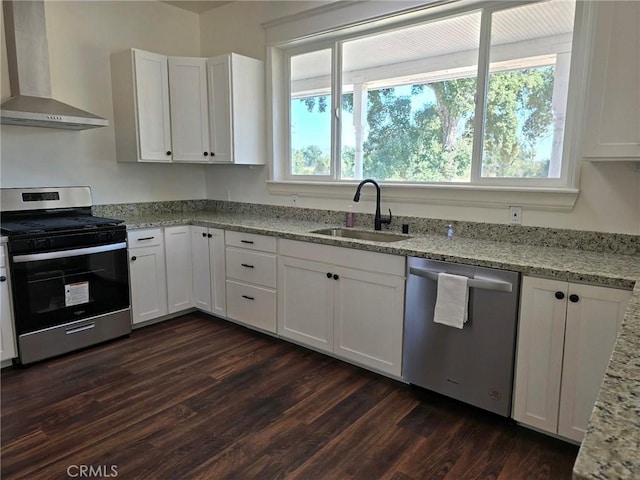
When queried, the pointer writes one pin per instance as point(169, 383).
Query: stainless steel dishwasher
point(473, 364)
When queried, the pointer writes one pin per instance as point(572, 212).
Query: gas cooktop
point(43, 224)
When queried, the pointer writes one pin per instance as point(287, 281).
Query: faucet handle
point(387, 220)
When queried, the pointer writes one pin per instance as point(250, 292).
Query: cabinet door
point(189, 109)
point(248, 115)
point(594, 315)
point(177, 242)
point(613, 116)
point(219, 79)
point(7, 336)
point(218, 271)
point(152, 106)
point(539, 353)
point(201, 273)
point(305, 302)
point(148, 283)
point(368, 319)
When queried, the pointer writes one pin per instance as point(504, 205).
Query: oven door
point(53, 288)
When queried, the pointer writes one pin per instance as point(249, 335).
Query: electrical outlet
point(515, 214)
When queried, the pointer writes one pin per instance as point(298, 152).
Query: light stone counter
point(611, 448)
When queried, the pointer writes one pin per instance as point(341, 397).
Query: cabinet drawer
point(251, 267)
point(251, 305)
point(251, 241)
point(344, 257)
point(144, 238)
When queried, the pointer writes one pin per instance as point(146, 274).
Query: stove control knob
point(104, 236)
point(42, 243)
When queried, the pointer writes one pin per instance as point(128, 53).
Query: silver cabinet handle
point(475, 282)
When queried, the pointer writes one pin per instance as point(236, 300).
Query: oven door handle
point(34, 257)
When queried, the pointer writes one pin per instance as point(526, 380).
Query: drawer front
point(251, 241)
point(148, 237)
point(255, 306)
point(251, 267)
point(345, 257)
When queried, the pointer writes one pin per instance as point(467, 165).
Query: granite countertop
point(611, 447)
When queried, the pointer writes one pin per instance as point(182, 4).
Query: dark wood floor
point(197, 397)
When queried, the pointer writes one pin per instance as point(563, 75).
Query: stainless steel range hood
point(28, 58)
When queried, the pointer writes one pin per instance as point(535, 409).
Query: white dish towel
point(451, 300)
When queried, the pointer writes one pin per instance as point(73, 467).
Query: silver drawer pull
point(145, 238)
point(247, 265)
point(247, 241)
point(71, 331)
point(248, 297)
point(475, 282)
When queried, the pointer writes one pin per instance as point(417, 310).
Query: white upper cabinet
point(189, 111)
point(219, 80)
point(236, 109)
point(141, 106)
point(613, 103)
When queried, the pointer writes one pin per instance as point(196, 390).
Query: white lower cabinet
point(331, 300)
point(207, 247)
point(177, 246)
point(565, 339)
point(147, 273)
point(7, 335)
point(305, 304)
point(252, 305)
point(368, 318)
point(251, 279)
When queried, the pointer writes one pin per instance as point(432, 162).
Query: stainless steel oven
point(69, 275)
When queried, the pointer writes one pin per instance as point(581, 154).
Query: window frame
point(281, 154)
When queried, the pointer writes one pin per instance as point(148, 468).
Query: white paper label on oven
point(76, 293)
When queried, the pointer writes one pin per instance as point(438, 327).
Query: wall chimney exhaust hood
point(28, 58)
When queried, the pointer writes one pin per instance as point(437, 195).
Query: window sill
point(534, 198)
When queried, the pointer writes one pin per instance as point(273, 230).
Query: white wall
point(609, 199)
point(81, 36)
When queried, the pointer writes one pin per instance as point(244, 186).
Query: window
point(478, 97)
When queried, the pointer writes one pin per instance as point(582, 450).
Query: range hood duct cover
point(28, 58)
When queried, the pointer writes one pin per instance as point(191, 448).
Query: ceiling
point(392, 53)
point(197, 6)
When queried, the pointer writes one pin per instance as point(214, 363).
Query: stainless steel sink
point(361, 235)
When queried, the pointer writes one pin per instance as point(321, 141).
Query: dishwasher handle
point(475, 282)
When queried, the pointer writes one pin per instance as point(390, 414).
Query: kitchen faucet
point(378, 221)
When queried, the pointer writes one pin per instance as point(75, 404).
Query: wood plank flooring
point(200, 398)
